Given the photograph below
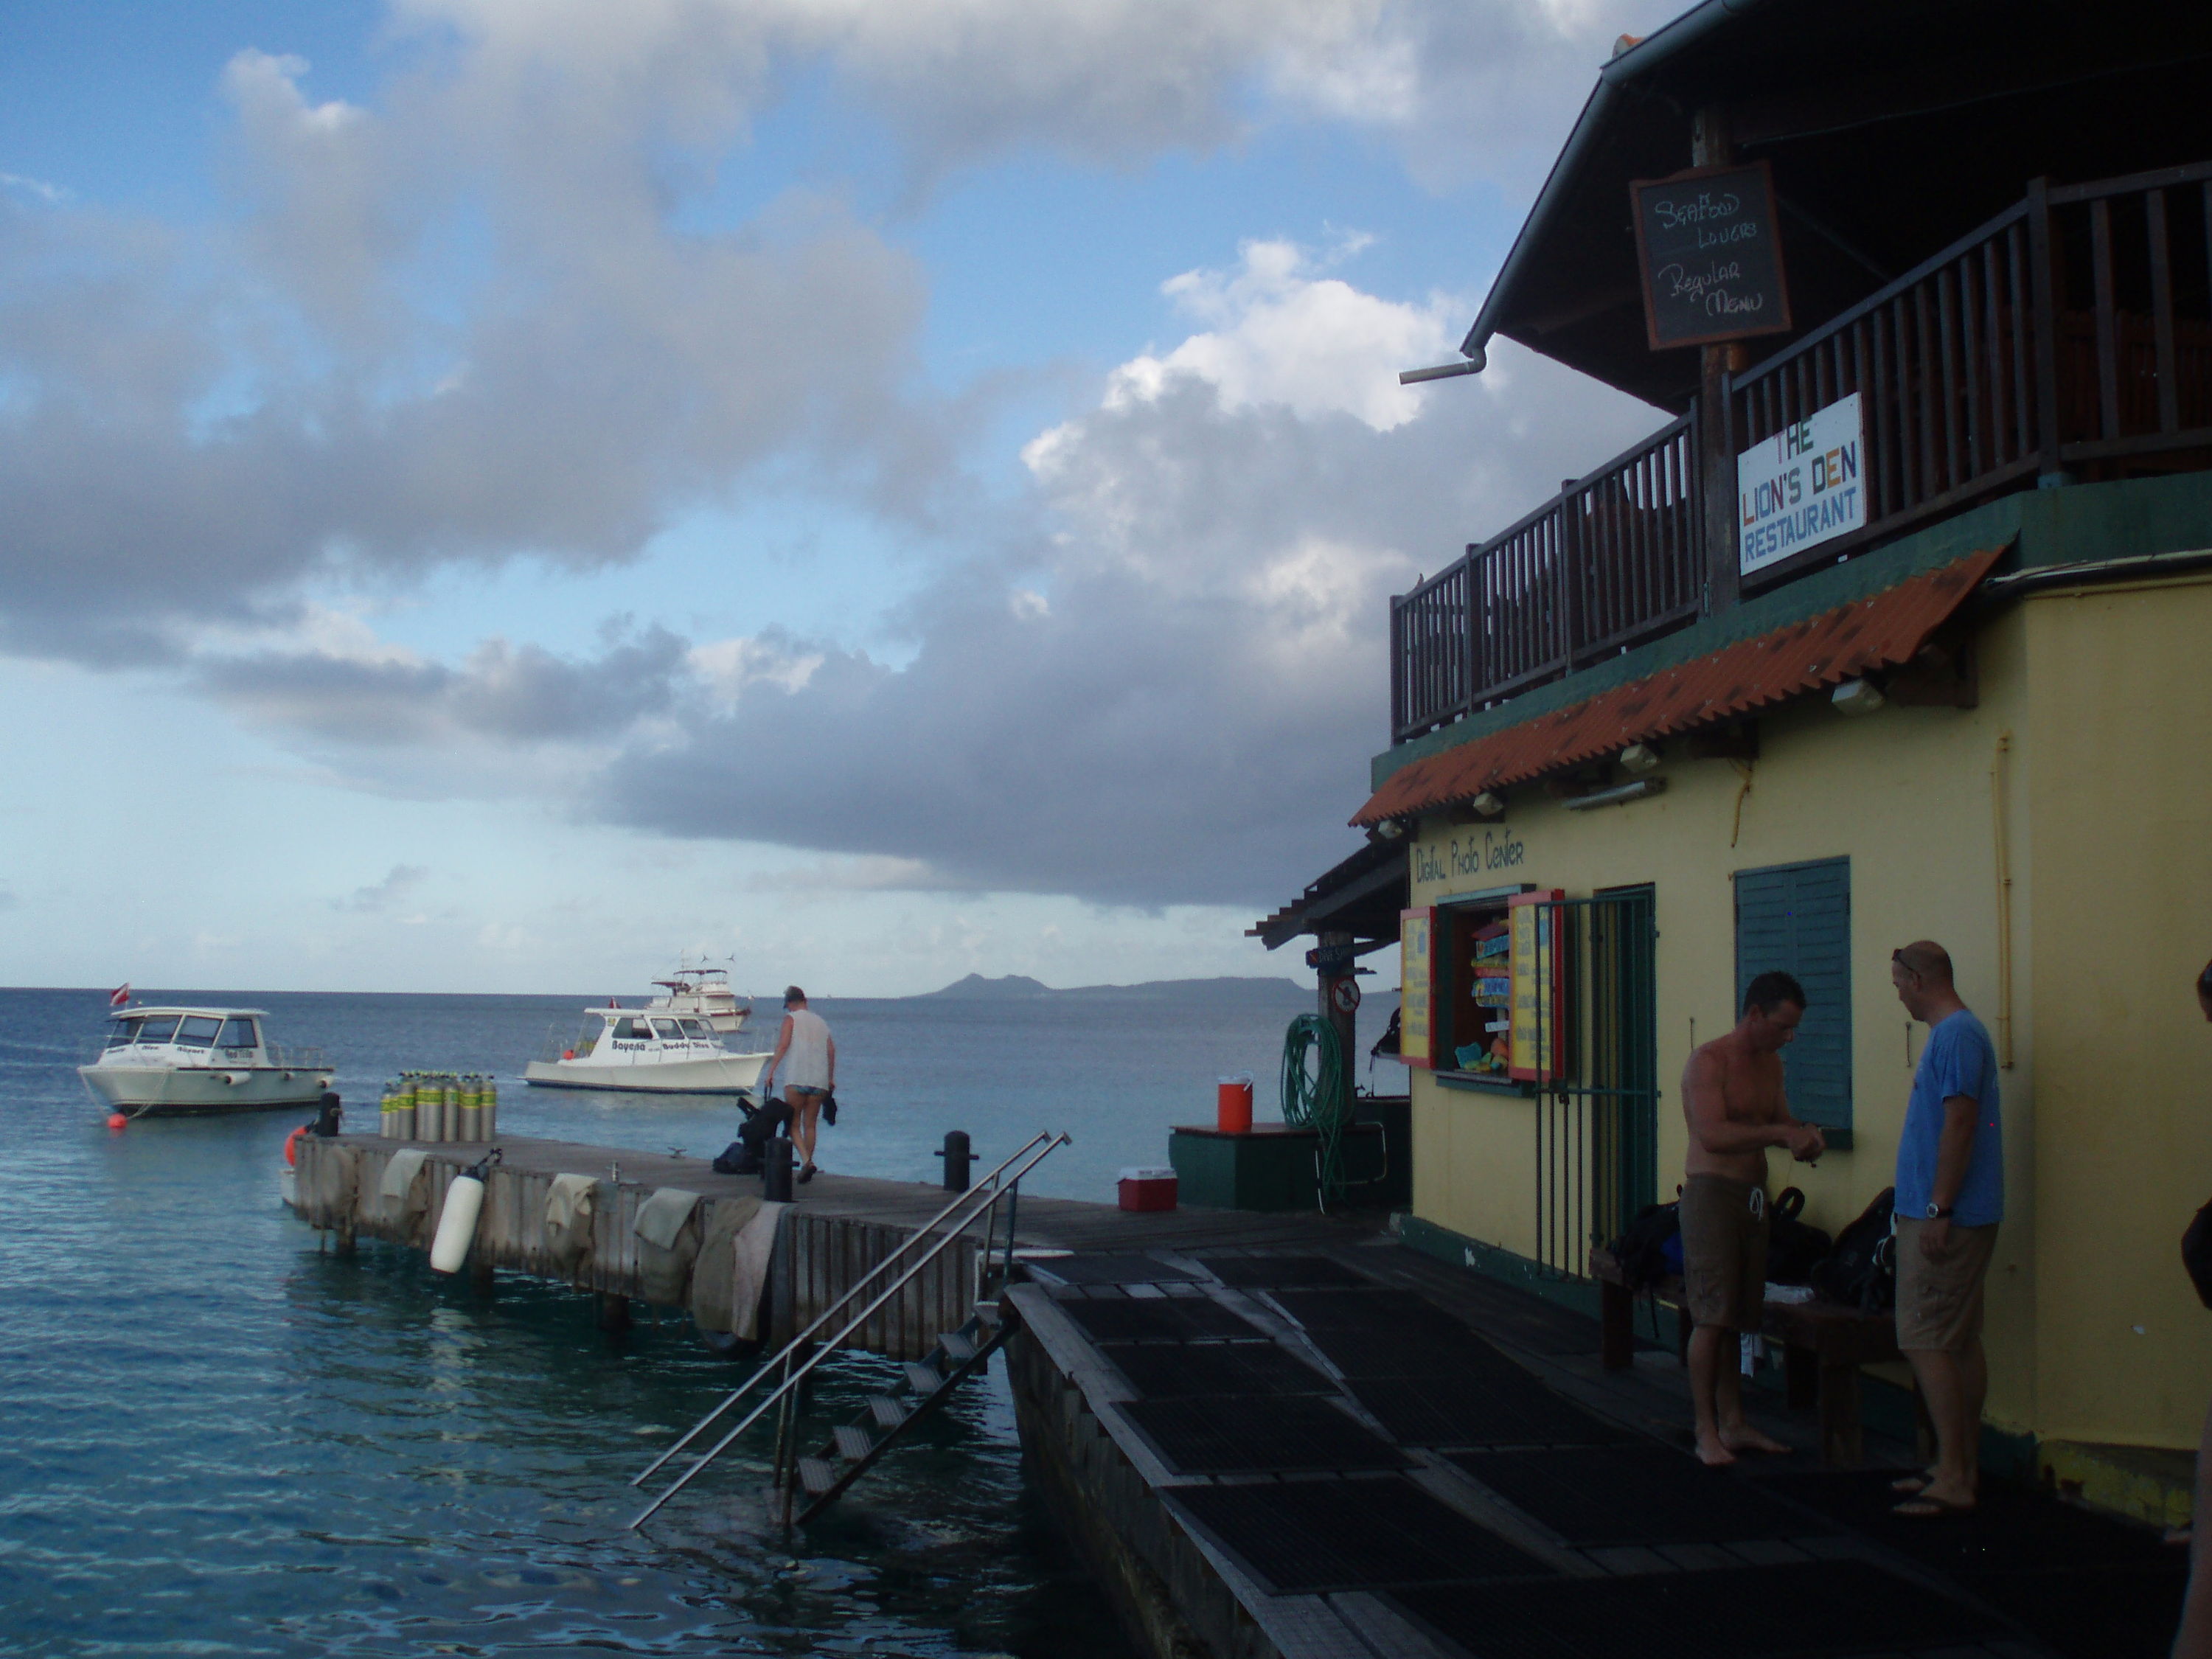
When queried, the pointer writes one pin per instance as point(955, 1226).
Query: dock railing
point(2069, 338)
point(794, 1364)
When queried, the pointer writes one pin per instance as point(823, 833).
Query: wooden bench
point(1823, 1346)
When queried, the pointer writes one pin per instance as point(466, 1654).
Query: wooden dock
point(837, 1229)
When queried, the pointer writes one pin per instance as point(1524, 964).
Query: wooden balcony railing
point(2069, 338)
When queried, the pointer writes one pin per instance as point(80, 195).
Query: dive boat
point(175, 1062)
point(645, 1051)
point(703, 995)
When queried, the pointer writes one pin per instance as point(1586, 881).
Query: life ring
point(292, 1147)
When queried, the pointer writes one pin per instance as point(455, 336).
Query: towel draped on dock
point(667, 1244)
point(569, 1202)
point(727, 1285)
point(404, 1190)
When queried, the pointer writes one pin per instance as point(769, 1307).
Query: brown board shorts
point(1939, 1299)
point(1724, 1251)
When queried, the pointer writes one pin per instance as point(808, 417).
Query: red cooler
point(1148, 1189)
point(1233, 1107)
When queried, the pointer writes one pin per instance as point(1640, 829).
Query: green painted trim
point(1493, 1263)
point(2125, 519)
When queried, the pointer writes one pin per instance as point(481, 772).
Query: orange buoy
point(292, 1147)
point(117, 1120)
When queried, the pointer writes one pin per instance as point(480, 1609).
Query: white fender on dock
point(457, 1226)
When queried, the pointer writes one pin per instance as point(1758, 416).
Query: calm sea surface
point(215, 1437)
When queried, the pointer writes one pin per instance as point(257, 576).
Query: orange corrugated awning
point(1882, 631)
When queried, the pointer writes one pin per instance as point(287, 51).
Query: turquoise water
point(221, 1438)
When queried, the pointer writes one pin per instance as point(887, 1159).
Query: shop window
point(1798, 918)
point(1475, 989)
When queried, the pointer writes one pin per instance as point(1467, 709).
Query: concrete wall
point(2100, 704)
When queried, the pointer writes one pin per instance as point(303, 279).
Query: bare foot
point(1954, 1499)
point(1713, 1452)
point(1747, 1438)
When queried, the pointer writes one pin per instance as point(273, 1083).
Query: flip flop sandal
point(1908, 1486)
point(1928, 1508)
point(807, 1173)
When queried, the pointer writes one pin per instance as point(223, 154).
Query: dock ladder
point(957, 1355)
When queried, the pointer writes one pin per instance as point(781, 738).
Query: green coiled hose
point(1314, 1094)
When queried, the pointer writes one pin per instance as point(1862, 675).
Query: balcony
point(2070, 338)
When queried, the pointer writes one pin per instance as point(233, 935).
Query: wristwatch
point(1941, 1211)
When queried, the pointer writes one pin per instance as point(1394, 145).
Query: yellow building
point(1680, 725)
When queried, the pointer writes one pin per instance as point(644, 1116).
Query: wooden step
point(923, 1379)
point(889, 1412)
point(957, 1348)
point(816, 1476)
point(853, 1441)
point(987, 1316)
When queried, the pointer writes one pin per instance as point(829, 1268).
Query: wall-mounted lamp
point(1857, 697)
point(1617, 796)
point(1390, 829)
point(1488, 805)
point(1640, 757)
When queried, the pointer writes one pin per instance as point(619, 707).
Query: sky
point(500, 494)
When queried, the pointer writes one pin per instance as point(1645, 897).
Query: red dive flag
point(119, 995)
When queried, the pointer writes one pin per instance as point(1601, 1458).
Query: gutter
point(2085, 572)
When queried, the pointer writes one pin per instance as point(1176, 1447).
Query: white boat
point(173, 1062)
point(645, 1051)
point(704, 995)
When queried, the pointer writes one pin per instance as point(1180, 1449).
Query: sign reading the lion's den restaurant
point(1804, 486)
point(1709, 255)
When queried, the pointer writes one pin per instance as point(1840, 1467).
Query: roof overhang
point(1970, 98)
point(1885, 630)
point(1361, 896)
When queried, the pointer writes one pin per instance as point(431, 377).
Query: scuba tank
point(457, 1225)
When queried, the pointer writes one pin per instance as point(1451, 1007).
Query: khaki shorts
point(1724, 1251)
point(1939, 1300)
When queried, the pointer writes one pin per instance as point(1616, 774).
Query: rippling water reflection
point(221, 1438)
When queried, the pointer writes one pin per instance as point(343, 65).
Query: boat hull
point(202, 1091)
point(724, 1074)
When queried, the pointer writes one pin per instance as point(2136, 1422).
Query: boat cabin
point(206, 1037)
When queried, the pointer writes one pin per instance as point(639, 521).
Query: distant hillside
point(1245, 992)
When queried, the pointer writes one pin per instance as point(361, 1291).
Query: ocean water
point(218, 1436)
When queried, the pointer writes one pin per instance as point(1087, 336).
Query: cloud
point(399, 884)
point(8, 899)
point(1176, 704)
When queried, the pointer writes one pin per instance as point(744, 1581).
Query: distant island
point(1227, 989)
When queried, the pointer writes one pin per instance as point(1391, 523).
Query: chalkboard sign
point(1710, 256)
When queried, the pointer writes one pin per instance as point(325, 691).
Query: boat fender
point(457, 1225)
point(292, 1146)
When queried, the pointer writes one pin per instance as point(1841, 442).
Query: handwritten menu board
point(1711, 256)
point(1539, 999)
point(1417, 986)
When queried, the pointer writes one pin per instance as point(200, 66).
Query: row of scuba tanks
point(439, 1106)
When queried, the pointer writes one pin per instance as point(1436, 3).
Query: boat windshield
point(668, 1030)
point(633, 1030)
point(125, 1034)
point(160, 1029)
point(237, 1034)
point(692, 1028)
point(197, 1031)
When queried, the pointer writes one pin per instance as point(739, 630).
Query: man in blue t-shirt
point(1950, 1198)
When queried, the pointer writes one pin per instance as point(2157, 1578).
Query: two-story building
point(1898, 627)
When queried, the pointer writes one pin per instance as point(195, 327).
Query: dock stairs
point(853, 1447)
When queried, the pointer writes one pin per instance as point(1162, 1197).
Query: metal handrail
point(831, 1311)
point(792, 1376)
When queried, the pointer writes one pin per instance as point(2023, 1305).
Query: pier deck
point(1364, 1454)
point(837, 1229)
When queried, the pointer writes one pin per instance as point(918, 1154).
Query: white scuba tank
point(457, 1224)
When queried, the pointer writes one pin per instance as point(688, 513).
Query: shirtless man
point(1732, 1096)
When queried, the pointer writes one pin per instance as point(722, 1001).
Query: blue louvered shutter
point(1798, 917)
